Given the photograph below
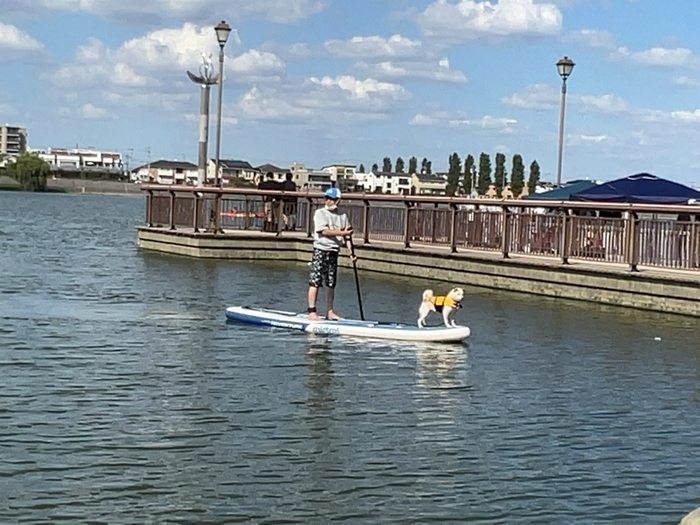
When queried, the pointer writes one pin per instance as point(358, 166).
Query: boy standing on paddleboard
point(331, 230)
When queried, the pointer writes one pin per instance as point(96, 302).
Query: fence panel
point(598, 239)
point(535, 234)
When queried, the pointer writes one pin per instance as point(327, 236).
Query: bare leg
point(330, 296)
point(313, 295)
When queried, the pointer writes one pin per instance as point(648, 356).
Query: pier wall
point(597, 283)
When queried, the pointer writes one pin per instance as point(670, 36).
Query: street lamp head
point(565, 66)
point(222, 32)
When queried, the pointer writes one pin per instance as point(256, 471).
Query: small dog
point(444, 304)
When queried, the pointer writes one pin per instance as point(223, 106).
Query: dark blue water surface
point(126, 398)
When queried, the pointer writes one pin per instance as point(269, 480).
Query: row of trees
point(426, 166)
point(465, 177)
point(29, 170)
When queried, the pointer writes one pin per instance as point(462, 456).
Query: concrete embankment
point(92, 186)
point(661, 291)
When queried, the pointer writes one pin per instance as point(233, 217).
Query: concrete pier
point(660, 290)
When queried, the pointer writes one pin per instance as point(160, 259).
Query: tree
point(467, 181)
point(517, 177)
point(426, 167)
point(412, 165)
point(534, 177)
point(453, 174)
point(387, 165)
point(484, 173)
point(362, 168)
point(500, 177)
point(30, 171)
point(375, 168)
point(399, 165)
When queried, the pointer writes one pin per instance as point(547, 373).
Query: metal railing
point(631, 234)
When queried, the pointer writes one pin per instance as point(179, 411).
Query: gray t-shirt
point(327, 219)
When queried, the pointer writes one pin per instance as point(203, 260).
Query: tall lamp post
point(222, 32)
point(565, 66)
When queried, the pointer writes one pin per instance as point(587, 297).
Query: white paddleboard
point(351, 327)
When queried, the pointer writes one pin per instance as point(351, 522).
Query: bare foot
point(314, 317)
point(333, 316)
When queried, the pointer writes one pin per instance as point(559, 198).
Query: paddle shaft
point(357, 279)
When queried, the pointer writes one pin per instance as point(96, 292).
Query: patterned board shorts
point(324, 267)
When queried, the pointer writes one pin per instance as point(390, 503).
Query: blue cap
point(332, 193)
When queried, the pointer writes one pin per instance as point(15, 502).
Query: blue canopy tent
point(564, 192)
point(642, 188)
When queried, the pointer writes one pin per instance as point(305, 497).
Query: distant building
point(300, 175)
point(61, 159)
point(232, 169)
point(387, 182)
point(423, 184)
point(13, 140)
point(277, 172)
point(166, 172)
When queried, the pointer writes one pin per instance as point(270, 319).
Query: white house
point(166, 172)
point(387, 182)
point(232, 169)
point(82, 159)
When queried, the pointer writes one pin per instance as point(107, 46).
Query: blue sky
point(353, 81)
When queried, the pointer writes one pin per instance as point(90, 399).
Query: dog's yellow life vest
point(442, 301)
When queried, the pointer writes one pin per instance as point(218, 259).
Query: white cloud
point(603, 104)
point(692, 117)
point(337, 101)
point(458, 120)
point(657, 56)
point(90, 111)
point(257, 65)
point(7, 110)
point(685, 81)
point(591, 38)
point(150, 71)
point(536, 96)
point(15, 43)
point(544, 96)
point(467, 19)
point(439, 71)
point(375, 48)
point(597, 139)
point(156, 11)
point(394, 58)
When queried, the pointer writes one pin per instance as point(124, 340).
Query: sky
point(354, 81)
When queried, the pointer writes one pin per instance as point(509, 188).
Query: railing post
point(197, 205)
point(246, 219)
point(149, 208)
point(565, 237)
point(365, 220)
point(633, 229)
point(505, 238)
point(693, 245)
point(309, 217)
point(433, 233)
point(406, 225)
point(172, 210)
point(217, 216)
point(453, 229)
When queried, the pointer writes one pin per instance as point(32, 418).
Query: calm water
point(126, 398)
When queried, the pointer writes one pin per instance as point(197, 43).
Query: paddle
point(357, 279)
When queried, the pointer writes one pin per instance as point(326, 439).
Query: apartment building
point(13, 140)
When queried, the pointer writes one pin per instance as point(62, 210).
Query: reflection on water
point(127, 398)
